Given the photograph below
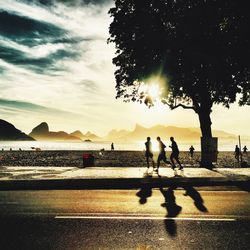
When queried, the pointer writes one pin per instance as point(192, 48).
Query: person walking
point(245, 149)
point(175, 153)
point(191, 151)
point(149, 152)
point(237, 153)
point(112, 146)
point(162, 154)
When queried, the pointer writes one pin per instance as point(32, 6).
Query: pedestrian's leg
point(177, 159)
point(172, 161)
point(147, 162)
point(158, 163)
point(153, 163)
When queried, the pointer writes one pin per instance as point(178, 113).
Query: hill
point(41, 132)
point(181, 134)
point(9, 132)
point(87, 136)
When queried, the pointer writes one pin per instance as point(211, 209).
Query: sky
point(56, 66)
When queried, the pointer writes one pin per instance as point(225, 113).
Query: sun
point(154, 91)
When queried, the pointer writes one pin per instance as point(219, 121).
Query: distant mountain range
point(42, 132)
point(87, 136)
point(8, 132)
point(183, 134)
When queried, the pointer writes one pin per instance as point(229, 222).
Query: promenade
point(20, 177)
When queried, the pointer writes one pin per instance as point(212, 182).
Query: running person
point(149, 152)
point(162, 154)
point(175, 153)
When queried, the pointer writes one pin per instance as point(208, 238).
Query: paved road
point(125, 219)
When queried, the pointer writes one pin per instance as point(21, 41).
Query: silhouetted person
point(175, 153)
point(112, 146)
point(191, 151)
point(237, 153)
point(162, 154)
point(245, 149)
point(149, 152)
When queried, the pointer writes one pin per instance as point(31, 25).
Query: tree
point(198, 48)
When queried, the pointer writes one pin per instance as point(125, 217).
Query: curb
point(121, 183)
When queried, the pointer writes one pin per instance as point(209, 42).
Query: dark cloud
point(27, 106)
point(70, 2)
point(84, 2)
point(40, 65)
point(27, 31)
point(30, 33)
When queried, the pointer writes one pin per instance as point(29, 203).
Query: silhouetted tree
point(198, 48)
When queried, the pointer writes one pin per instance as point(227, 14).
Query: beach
point(71, 158)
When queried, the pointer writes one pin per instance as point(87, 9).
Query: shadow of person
point(144, 193)
point(172, 208)
point(195, 195)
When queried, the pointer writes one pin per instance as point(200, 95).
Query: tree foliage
point(199, 47)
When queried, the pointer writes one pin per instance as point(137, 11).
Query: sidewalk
point(12, 178)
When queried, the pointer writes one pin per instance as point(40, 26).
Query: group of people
point(237, 152)
point(162, 154)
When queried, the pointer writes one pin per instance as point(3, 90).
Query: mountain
point(217, 133)
point(181, 134)
point(41, 132)
point(8, 132)
point(78, 134)
point(87, 136)
point(115, 134)
point(91, 136)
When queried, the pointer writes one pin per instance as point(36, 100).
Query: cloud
point(55, 54)
point(34, 43)
point(17, 106)
point(17, 26)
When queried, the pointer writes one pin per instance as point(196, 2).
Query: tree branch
point(178, 105)
point(183, 106)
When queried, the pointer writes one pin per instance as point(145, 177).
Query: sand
point(105, 159)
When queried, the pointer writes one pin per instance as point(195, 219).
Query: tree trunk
point(206, 132)
point(205, 123)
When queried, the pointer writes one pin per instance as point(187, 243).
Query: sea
point(137, 146)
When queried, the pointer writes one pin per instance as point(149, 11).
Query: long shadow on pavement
point(173, 209)
point(144, 193)
point(195, 195)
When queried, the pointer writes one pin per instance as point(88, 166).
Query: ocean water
point(139, 146)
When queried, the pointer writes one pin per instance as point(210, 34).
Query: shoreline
point(107, 158)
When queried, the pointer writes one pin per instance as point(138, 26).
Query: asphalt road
point(125, 219)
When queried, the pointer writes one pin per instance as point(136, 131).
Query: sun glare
point(154, 91)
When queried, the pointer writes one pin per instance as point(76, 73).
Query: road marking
point(140, 218)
